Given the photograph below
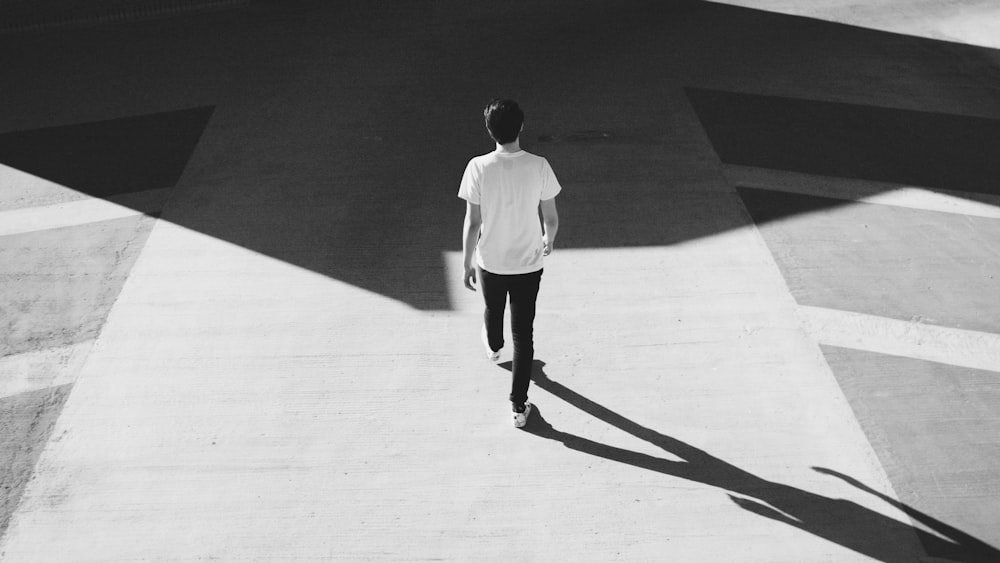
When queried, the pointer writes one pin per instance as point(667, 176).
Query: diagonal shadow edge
point(404, 297)
point(126, 159)
point(936, 150)
point(424, 286)
point(840, 521)
point(977, 546)
point(918, 33)
point(112, 158)
point(28, 419)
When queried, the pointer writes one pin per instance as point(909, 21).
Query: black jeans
point(523, 291)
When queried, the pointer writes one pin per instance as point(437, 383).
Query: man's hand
point(470, 277)
point(550, 217)
point(470, 238)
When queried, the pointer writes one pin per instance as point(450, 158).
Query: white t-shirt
point(508, 188)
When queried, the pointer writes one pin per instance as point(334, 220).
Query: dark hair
point(503, 120)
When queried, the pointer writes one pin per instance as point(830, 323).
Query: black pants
point(523, 291)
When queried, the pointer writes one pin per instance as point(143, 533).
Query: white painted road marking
point(67, 214)
point(957, 347)
point(865, 191)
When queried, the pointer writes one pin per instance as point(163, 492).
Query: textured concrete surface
point(909, 264)
point(923, 431)
point(257, 346)
point(973, 22)
point(27, 420)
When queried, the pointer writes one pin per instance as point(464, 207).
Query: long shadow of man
point(837, 520)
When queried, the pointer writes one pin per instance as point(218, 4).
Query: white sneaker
point(490, 354)
point(521, 418)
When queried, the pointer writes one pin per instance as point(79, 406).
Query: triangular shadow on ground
point(352, 173)
point(841, 521)
point(112, 157)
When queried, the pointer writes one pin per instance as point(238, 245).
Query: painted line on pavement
point(42, 368)
point(865, 191)
point(67, 214)
point(957, 347)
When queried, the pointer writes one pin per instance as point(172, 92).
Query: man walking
point(504, 241)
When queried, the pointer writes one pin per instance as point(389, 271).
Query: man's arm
point(550, 219)
point(470, 237)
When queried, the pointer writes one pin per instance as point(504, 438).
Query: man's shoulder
point(534, 161)
point(523, 158)
point(483, 158)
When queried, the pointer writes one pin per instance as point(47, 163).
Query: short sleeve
point(469, 190)
point(550, 186)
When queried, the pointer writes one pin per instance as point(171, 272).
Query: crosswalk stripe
point(958, 347)
point(865, 191)
point(66, 214)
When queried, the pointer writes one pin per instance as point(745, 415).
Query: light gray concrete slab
point(901, 263)
point(968, 21)
point(292, 368)
point(935, 427)
point(262, 411)
point(61, 283)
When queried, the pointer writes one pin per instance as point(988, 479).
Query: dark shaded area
point(977, 548)
point(340, 130)
point(115, 156)
point(340, 146)
point(889, 261)
point(936, 150)
point(934, 428)
point(339, 136)
point(766, 206)
point(26, 421)
point(837, 520)
point(34, 15)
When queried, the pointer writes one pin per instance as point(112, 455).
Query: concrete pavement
point(257, 346)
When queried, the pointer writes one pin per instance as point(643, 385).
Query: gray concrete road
point(235, 326)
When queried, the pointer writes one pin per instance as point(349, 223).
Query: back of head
point(503, 120)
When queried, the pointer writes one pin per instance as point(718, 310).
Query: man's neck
point(513, 146)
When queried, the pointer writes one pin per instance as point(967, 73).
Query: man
point(504, 242)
